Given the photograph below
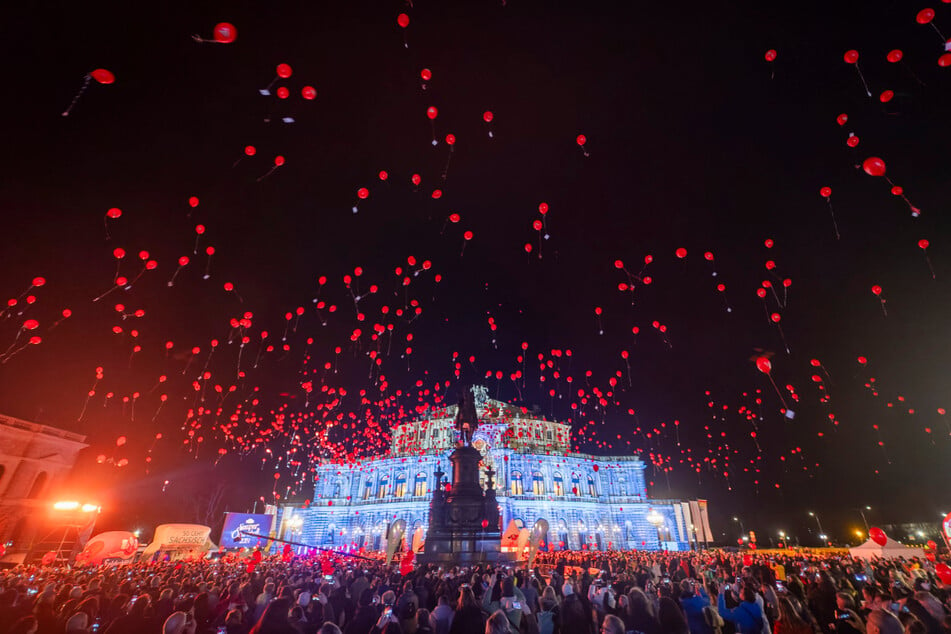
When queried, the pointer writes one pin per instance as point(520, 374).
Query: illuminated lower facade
point(590, 502)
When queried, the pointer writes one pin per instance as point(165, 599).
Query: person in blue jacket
point(693, 598)
point(747, 616)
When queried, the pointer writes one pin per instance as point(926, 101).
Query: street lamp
point(862, 513)
point(740, 522)
point(819, 524)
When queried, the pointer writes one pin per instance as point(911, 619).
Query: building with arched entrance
point(34, 460)
point(590, 502)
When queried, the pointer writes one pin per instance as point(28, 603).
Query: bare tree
point(208, 506)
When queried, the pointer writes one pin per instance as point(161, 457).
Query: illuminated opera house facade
point(590, 502)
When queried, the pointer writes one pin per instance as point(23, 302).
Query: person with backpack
point(747, 616)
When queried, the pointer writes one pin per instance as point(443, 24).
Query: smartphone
point(780, 586)
point(95, 627)
point(223, 630)
point(328, 577)
point(727, 587)
point(665, 580)
point(862, 578)
point(388, 611)
point(517, 605)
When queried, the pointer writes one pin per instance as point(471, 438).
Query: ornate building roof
point(500, 425)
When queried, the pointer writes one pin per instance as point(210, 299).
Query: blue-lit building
point(592, 502)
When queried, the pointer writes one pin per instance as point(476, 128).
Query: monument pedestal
point(464, 520)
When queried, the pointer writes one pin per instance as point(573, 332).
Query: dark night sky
point(692, 144)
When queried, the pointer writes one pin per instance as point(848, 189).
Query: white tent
point(892, 548)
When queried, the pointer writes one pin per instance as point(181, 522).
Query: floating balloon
point(886, 96)
point(878, 536)
point(874, 166)
point(894, 56)
point(763, 365)
point(403, 20)
point(309, 93)
point(103, 76)
point(925, 16)
point(225, 33)
point(284, 71)
point(581, 140)
point(770, 55)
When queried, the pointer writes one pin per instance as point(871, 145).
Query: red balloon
point(894, 55)
point(38, 281)
point(681, 253)
point(115, 212)
point(283, 93)
point(924, 16)
point(945, 60)
point(747, 560)
point(897, 190)
point(250, 150)
point(284, 71)
point(467, 235)
point(487, 116)
point(426, 74)
point(581, 140)
point(876, 289)
point(851, 56)
point(944, 573)
point(929, 556)
point(862, 360)
point(842, 119)
point(103, 76)
point(876, 534)
point(770, 55)
point(451, 139)
point(403, 20)
point(31, 324)
point(308, 92)
point(852, 141)
point(432, 112)
point(278, 160)
point(931, 545)
point(763, 365)
point(886, 96)
point(118, 253)
point(362, 193)
point(825, 192)
point(874, 166)
point(225, 33)
point(543, 208)
point(923, 244)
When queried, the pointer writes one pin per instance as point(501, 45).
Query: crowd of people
point(710, 592)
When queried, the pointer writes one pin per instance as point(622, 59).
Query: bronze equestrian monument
point(464, 519)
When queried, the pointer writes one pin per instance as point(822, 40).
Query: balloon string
point(445, 172)
point(835, 225)
point(778, 393)
point(912, 73)
point(207, 269)
point(79, 94)
point(930, 268)
point(938, 31)
point(884, 312)
point(862, 77)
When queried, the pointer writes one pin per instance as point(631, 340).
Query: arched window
point(38, 484)
point(517, 486)
point(621, 486)
point(338, 488)
point(421, 485)
point(575, 484)
point(538, 483)
point(559, 484)
point(384, 489)
point(592, 488)
point(367, 488)
point(564, 540)
point(400, 490)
